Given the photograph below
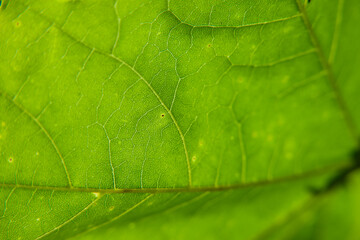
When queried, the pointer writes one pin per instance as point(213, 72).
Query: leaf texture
point(227, 113)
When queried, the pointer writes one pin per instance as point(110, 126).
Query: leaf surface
point(117, 110)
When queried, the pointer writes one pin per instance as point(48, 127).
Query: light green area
point(214, 116)
point(269, 213)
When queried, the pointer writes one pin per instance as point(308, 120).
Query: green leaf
point(179, 119)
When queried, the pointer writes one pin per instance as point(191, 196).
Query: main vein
point(304, 175)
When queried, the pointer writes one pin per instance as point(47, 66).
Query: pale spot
point(150, 203)
point(270, 138)
point(111, 208)
point(281, 121)
point(3, 124)
point(325, 115)
point(240, 80)
point(201, 143)
point(289, 155)
point(285, 80)
point(0, 136)
point(132, 225)
point(254, 134)
point(37, 153)
point(193, 159)
point(16, 67)
point(38, 219)
point(96, 194)
point(158, 33)
point(254, 179)
point(238, 15)
point(287, 29)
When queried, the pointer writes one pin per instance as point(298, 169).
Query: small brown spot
point(10, 160)
point(209, 45)
point(162, 115)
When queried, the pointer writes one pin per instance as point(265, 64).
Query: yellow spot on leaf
point(254, 134)
point(325, 115)
point(65, 1)
point(289, 155)
point(96, 194)
point(285, 80)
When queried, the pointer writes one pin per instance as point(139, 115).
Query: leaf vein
point(330, 75)
point(43, 129)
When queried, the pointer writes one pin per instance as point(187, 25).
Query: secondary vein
point(331, 77)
